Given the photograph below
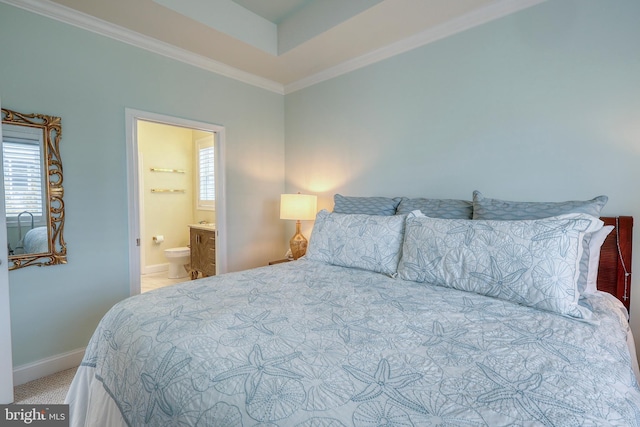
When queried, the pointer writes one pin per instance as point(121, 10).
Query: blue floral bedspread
point(308, 344)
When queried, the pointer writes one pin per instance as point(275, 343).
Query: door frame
point(6, 358)
point(132, 117)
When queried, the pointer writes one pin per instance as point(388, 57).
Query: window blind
point(206, 177)
point(22, 177)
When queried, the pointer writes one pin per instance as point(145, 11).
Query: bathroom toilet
point(179, 259)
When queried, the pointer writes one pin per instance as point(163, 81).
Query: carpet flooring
point(47, 390)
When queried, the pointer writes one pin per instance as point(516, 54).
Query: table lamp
point(298, 207)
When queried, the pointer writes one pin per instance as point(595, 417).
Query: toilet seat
point(177, 252)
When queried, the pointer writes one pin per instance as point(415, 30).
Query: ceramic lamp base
point(298, 243)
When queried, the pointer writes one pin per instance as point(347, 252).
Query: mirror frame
point(52, 132)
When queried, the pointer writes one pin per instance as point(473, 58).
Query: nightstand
point(279, 261)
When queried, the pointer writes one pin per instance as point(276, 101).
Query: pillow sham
point(485, 208)
point(437, 208)
point(595, 243)
point(368, 242)
point(531, 262)
point(365, 205)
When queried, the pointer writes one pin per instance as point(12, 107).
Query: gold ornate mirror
point(34, 207)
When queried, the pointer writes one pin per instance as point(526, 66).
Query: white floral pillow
point(530, 262)
point(369, 242)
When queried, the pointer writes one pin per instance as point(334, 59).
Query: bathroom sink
point(205, 226)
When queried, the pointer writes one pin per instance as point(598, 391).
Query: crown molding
point(495, 10)
point(81, 20)
point(49, 9)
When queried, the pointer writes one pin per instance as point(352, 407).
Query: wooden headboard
point(614, 272)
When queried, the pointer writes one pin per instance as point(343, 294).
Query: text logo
point(34, 415)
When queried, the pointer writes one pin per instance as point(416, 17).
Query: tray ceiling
point(281, 45)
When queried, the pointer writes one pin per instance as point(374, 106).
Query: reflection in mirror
point(32, 172)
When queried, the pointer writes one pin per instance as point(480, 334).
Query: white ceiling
point(273, 10)
point(280, 45)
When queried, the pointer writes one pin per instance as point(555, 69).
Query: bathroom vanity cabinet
point(202, 241)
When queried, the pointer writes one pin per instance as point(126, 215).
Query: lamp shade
point(298, 206)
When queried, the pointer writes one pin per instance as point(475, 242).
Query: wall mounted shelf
point(165, 190)
point(167, 170)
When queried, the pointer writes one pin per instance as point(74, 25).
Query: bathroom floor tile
point(158, 280)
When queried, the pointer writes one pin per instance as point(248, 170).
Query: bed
point(36, 241)
point(339, 340)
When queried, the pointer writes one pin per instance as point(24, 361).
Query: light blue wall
point(88, 80)
point(540, 105)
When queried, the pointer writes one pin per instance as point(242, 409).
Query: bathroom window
point(23, 174)
point(206, 184)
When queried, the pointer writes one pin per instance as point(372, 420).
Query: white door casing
point(133, 185)
point(6, 361)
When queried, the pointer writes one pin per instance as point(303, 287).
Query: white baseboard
point(32, 371)
point(155, 268)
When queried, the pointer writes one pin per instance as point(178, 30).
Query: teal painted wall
point(52, 68)
point(542, 105)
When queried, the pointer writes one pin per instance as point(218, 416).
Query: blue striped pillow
point(485, 208)
point(437, 208)
point(365, 205)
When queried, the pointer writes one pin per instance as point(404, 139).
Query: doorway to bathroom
point(176, 183)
